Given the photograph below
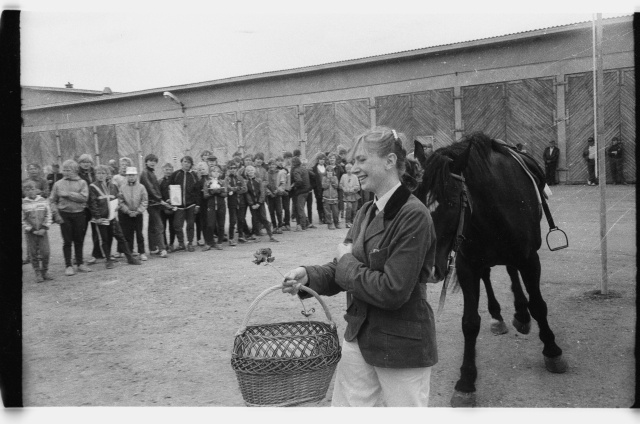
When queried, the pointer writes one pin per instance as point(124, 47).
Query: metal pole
point(139, 143)
point(595, 89)
point(58, 146)
point(600, 149)
point(96, 144)
point(302, 131)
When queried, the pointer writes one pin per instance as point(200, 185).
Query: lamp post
point(170, 96)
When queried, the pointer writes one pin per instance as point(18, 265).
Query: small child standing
point(351, 188)
point(167, 211)
point(133, 203)
point(101, 193)
point(214, 192)
point(330, 199)
point(36, 220)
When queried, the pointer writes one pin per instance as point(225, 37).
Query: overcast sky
point(164, 46)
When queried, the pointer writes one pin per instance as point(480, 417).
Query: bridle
point(465, 202)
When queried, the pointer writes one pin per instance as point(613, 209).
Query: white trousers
point(360, 384)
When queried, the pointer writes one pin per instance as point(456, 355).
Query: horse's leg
point(464, 394)
point(521, 319)
point(497, 323)
point(538, 307)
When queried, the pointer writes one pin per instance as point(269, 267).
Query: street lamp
point(169, 95)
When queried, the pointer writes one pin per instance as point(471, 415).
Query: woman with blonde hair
point(383, 264)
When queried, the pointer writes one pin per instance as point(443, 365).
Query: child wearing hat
point(133, 202)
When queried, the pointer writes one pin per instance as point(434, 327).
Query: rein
point(457, 243)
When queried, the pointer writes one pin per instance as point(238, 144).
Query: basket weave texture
point(287, 363)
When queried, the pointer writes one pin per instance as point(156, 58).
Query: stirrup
point(566, 239)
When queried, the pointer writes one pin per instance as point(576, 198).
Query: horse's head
point(443, 190)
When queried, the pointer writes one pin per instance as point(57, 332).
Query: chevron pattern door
point(579, 104)
point(628, 122)
point(484, 109)
point(530, 117)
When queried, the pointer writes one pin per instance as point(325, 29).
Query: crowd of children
point(208, 198)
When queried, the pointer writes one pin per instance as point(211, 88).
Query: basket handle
point(254, 304)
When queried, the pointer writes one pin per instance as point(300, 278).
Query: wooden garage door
point(579, 104)
point(166, 139)
point(284, 130)
point(617, 115)
point(224, 136)
point(484, 109)
point(352, 119)
point(395, 112)
point(434, 115)
point(611, 112)
point(107, 143)
point(530, 115)
point(628, 122)
point(270, 131)
point(77, 141)
point(200, 136)
point(255, 131)
point(40, 148)
point(319, 125)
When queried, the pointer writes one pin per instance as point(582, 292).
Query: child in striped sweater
point(36, 220)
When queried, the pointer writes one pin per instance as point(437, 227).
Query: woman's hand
point(294, 279)
point(343, 248)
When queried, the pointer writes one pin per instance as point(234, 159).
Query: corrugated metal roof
point(62, 89)
point(351, 62)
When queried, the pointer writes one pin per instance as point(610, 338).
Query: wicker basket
point(286, 363)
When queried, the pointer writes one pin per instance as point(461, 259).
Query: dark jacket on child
point(214, 197)
point(255, 191)
point(300, 183)
point(237, 186)
point(188, 182)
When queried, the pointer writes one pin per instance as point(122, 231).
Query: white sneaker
point(143, 257)
point(155, 252)
point(69, 271)
point(92, 261)
point(163, 254)
point(84, 268)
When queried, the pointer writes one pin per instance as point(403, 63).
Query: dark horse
point(502, 227)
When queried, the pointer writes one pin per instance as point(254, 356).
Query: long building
point(529, 88)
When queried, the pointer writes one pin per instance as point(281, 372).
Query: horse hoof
point(556, 365)
point(522, 328)
point(463, 400)
point(498, 327)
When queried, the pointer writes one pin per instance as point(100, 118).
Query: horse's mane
point(437, 178)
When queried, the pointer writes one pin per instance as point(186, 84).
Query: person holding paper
point(183, 182)
point(103, 203)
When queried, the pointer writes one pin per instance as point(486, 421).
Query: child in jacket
point(101, 193)
point(351, 189)
point(214, 192)
point(36, 221)
point(133, 203)
point(236, 189)
point(330, 198)
point(275, 189)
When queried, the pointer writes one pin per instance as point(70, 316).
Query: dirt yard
point(161, 334)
